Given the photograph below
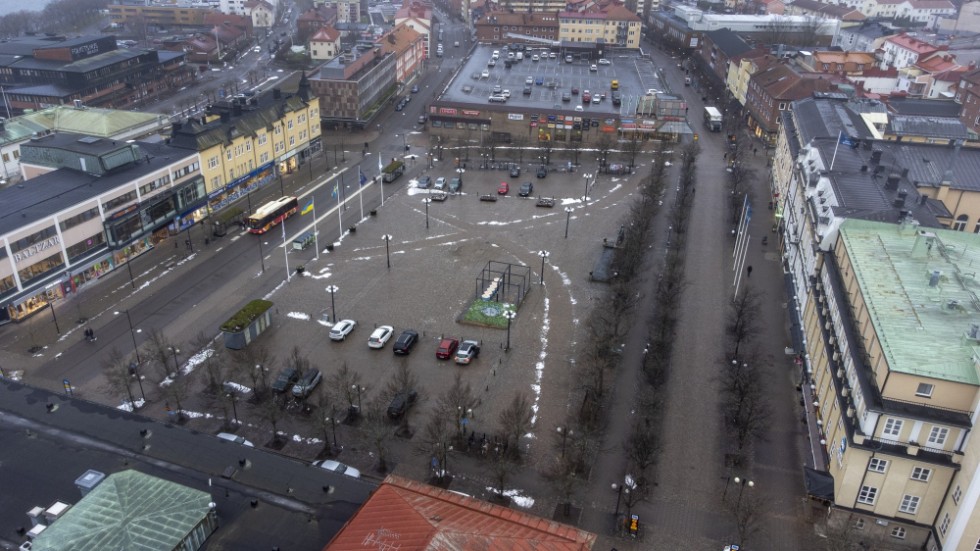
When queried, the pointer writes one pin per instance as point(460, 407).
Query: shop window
point(79, 249)
point(41, 267)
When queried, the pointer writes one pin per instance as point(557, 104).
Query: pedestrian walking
point(748, 271)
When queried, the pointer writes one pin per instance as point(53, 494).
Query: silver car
point(337, 467)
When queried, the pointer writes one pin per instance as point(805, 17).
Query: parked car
point(527, 90)
point(380, 336)
point(529, 81)
point(405, 342)
point(574, 91)
point(235, 438)
point(423, 182)
point(503, 188)
point(305, 385)
point(515, 171)
point(542, 171)
point(399, 106)
point(497, 89)
point(593, 67)
point(535, 57)
point(415, 89)
point(447, 347)
point(604, 62)
point(527, 188)
point(401, 402)
point(337, 467)
point(341, 329)
point(468, 350)
point(566, 97)
point(440, 184)
point(422, 119)
point(455, 185)
point(285, 380)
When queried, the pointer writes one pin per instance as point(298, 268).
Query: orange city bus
point(272, 213)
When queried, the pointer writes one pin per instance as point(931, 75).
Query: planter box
point(247, 324)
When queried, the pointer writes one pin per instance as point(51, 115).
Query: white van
point(520, 56)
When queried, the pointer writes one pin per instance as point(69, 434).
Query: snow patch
point(299, 316)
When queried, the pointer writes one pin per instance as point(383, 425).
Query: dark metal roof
point(50, 193)
point(728, 42)
point(860, 187)
point(924, 107)
point(927, 127)
point(198, 136)
point(828, 115)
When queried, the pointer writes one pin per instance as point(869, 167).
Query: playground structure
point(503, 283)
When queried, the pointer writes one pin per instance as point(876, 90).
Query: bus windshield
point(272, 213)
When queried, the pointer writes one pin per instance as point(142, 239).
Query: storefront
point(241, 187)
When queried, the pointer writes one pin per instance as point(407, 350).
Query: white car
point(579, 108)
point(235, 438)
point(485, 74)
point(535, 57)
point(380, 336)
point(529, 81)
point(505, 93)
point(341, 329)
point(605, 62)
point(330, 465)
point(440, 184)
point(593, 67)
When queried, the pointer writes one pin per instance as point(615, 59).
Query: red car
point(447, 347)
point(503, 188)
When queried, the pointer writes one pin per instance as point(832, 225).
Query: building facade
point(968, 96)
point(408, 47)
point(503, 28)
point(617, 27)
point(353, 88)
point(246, 144)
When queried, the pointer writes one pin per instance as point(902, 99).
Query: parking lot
point(553, 77)
point(432, 280)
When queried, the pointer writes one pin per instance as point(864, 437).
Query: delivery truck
point(712, 119)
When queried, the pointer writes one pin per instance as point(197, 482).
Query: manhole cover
point(491, 311)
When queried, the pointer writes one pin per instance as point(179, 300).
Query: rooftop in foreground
point(922, 319)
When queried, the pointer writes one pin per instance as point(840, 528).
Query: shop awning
point(819, 484)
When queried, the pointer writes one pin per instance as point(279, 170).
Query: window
point(893, 428)
point(867, 495)
point(228, 154)
point(213, 162)
point(924, 390)
point(960, 223)
point(878, 465)
point(937, 436)
point(263, 138)
point(977, 548)
point(921, 474)
point(944, 525)
point(910, 504)
point(289, 124)
point(957, 495)
point(898, 532)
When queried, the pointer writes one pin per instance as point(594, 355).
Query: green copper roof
point(923, 328)
point(91, 121)
point(128, 510)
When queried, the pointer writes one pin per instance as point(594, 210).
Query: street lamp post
point(618, 488)
point(234, 406)
point(510, 315)
point(358, 388)
point(544, 255)
point(460, 171)
point(742, 483)
point(586, 176)
point(427, 201)
point(568, 218)
point(333, 426)
point(132, 333)
point(333, 308)
point(134, 371)
point(176, 361)
point(387, 239)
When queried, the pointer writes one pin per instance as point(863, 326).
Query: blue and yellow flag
point(308, 208)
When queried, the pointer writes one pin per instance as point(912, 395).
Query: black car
point(527, 188)
point(527, 90)
point(515, 171)
point(285, 380)
point(401, 402)
point(399, 106)
point(405, 342)
point(566, 97)
point(542, 171)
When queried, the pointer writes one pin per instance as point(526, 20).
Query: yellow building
point(617, 26)
point(892, 336)
point(245, 143)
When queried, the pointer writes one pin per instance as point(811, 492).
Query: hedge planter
point(247, 324)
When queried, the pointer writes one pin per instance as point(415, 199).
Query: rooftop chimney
point(892, 182)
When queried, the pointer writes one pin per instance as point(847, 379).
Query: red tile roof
point(411, 516)
point(913, 44)
point(326, 34)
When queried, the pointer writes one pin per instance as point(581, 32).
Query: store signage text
point(471, 113)
point(36, 248)
point(515, 116)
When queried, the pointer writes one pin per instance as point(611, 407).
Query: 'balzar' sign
point(36, 248)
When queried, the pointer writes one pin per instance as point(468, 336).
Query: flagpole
point(381, 178)
point(316, 234)
point(285, 250)
point(839, 134)
point(360, 191)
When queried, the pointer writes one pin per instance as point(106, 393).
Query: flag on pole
point(336, 191)
point(380, 168)
point(361, 177)
point(844, 139)
point(308, 208)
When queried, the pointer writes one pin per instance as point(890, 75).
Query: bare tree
point(747, 510)
point(272, 414)
point(379, 433)
point(214, 360)
point(403, 381)
point(115, 367)
point(177, 390)
point(161, 355)
point(436, 443)
point(254, 364)
point(514, 422)
point(501, 466)
point(457, 403)
point(345, 386)
point(742, 326)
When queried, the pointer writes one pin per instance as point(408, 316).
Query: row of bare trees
point(59, 16)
